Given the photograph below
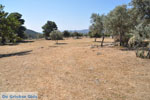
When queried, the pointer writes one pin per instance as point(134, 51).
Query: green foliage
point(143, 54)
point(40, 36)
point(66, 34)
point(10, 26)
point(97, 28)
point(147, 30)
point(20, 30)
point(77, 35)
point(134, 42)
point(140, 32)
point(94, 35)
point(124, 22)
point(141, 9)
point(56, 35)
point(48, 28)
point(86, 34)
point(117, 22)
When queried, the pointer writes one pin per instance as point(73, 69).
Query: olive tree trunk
point(3, 40)
point(56, 41)
point(95, 39)
point(102, 40)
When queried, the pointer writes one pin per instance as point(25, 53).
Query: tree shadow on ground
point(61, 43)
point(77, 38)
point(27, 41)
point(127, 49)
point(17, 43)
point(133, 49)
point(108, 45)
point(53, 46)
point(15, 54)
point(104, 41)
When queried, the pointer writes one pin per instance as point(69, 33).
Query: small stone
point(92, 46)
point(98, 53)
point(97, 81)
point(109, 88)
point(90, 69)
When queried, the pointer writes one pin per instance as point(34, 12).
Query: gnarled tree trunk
point(102, 40)
point(95, 39)
point(3, 40)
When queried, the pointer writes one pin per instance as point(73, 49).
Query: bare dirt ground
point(73, 70)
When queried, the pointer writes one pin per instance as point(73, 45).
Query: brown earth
point(74, 70)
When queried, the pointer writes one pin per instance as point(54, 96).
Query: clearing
point(73, 70)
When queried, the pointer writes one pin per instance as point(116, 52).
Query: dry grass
point(73, 70)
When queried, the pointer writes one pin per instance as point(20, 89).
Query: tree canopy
point(11, 28)
point(56, 35)
point(97, 28)
point(66, 34)
point(118, 22)
point(48, 28)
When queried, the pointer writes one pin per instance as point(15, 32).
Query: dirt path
point(73, 70)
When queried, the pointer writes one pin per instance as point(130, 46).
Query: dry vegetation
point(73, 70)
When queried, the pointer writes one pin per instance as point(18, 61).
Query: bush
point(94, 35)
point(143, 54)
point(66, 34)
point(76, 34)
point(18, 39)
point(134, 42)
point(56, 35)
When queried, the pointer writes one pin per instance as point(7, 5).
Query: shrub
point(134, 42)
point(143, 54)
point(56, 35)
point(18, 39)
point(76, 34)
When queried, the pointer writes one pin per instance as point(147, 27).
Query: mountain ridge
point(32, 34)
point(85, 31)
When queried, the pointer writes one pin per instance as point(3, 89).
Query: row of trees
point(11, 26)
point(73, 34)
point(124, 23)
point(50, 31)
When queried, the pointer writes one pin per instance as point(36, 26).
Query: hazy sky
point(68, 14)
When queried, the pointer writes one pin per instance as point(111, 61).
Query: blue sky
point(68, 14)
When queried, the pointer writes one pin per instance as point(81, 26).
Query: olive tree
point(118, 23)
point(97, 27)
point(141, 9)
point(48, 28)
point(56, 35)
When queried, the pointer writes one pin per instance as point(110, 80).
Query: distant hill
point(80, 31)
point(32, 34)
